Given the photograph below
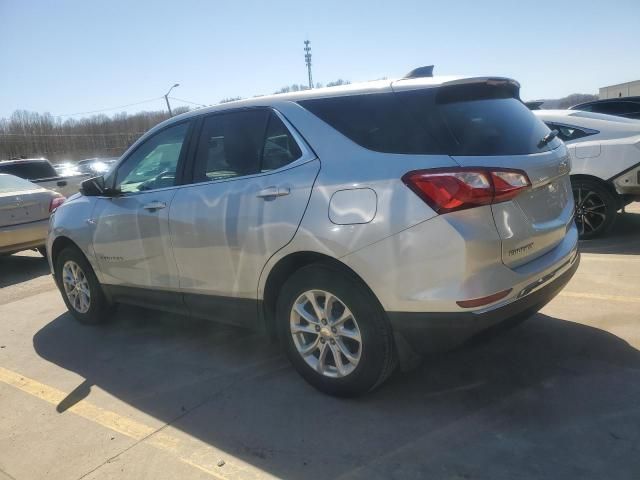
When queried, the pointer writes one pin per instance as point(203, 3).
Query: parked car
point(628, 107)
point(605, 153)
point(362, 224)
point(65, 169)
point(24, 214)
point(41, 172)
point(95, 166)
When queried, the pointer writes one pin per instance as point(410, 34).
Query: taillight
point(55, 203)
point(448, 190)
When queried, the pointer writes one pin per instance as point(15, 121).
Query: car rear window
point(452, 121)
point(9, 183)
point(29, 170)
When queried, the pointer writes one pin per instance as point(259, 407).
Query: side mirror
point(93, 187)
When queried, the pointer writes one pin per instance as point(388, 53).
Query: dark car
point(42, 173)
point(628, 107)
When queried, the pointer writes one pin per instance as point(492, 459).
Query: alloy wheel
point(76, 286)
point(325, 333)
point(591, 210)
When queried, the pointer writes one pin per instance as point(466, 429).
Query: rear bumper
point(430, 332)
point(23, 236)
point(628, 182)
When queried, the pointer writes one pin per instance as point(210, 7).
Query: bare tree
point(29, 134)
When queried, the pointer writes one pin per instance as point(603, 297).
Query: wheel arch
point(284, 268)
point(608, 185)
point(60, 244)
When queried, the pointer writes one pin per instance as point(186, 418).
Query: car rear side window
point(569, 132)
point(377, 122)
point(243, 143)
point(230, 145)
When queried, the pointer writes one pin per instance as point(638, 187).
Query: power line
point(107, 109)
point(189, 101)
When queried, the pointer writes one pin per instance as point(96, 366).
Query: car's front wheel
point(80, 288)
point(596, 207)
point(334, 331)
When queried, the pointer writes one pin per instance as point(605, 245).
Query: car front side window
point(154, 163)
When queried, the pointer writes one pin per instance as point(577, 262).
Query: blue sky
point(68, 56)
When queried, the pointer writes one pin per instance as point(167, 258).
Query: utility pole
point(166, 99)
point(307, 59)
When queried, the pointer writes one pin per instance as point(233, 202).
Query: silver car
point(362, 225)
point(24, 214)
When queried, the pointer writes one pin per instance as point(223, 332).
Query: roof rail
point(420, 72)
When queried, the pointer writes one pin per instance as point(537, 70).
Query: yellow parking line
point(185, 450)
point(599, 296)
point(606, 257)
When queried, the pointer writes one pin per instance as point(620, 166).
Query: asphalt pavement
point(158, 396)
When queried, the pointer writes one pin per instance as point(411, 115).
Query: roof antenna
point(420, 72)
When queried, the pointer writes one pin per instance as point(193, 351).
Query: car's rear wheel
point(80, 288)
point(334, 331)
point(596, 208)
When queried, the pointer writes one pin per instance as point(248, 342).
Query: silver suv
point(362, 225)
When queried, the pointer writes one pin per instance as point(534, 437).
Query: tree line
point(30, 134)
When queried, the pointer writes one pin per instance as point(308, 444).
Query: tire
point(98, 309)
point(371, 358)
point(596, 208)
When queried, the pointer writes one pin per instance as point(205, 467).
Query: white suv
point(605, 158)
point(362, 224)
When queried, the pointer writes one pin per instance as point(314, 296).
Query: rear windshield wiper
point(547, 138)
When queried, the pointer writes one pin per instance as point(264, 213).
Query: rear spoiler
point(472, 88)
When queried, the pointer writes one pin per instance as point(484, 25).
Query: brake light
point(448, 190)
point(55, 203)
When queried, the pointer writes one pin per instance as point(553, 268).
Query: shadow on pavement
point(624, 237)
point(548, 399)
point(20, 268)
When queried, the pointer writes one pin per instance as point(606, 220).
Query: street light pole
point(166, 99)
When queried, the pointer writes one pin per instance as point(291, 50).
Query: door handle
point(273, 192)
point(155, 206)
